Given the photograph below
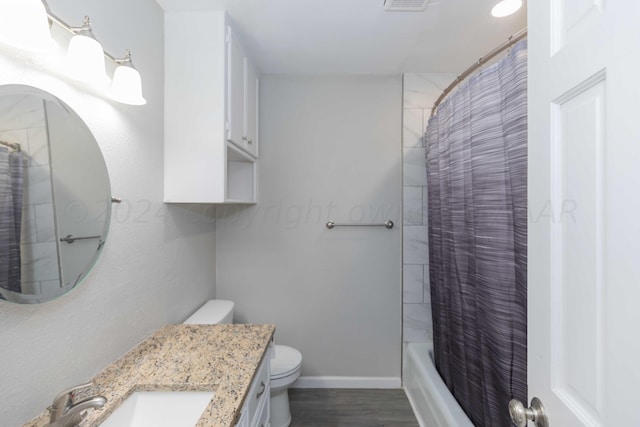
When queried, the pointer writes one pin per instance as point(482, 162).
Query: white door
point(584, 200)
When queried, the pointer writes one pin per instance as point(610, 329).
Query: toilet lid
point(286, 361)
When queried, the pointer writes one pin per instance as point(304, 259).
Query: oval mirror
point(55, 198)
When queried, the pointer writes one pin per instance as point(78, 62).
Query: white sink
point(160, 409)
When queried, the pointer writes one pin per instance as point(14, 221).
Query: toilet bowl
point(285, 363)
point(285, 370)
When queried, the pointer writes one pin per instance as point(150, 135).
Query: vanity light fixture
point(85, 56)
point(126, 86)
point(505, 8)
point(24, 25)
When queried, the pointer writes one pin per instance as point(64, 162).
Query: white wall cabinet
point(252, 86)
point(211, 111)
point(255, 409)
point(242, 97)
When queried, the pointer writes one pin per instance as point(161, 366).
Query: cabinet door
point(250, 108)
point(262, 416)
point(235, 91)
point(244, 419)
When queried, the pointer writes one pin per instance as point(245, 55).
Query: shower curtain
point(476, 154)
point(11, 178)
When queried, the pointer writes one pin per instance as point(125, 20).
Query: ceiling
point(359, 36)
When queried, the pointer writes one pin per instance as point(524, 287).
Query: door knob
point(520, 415)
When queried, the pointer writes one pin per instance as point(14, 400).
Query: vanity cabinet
point(255, 410)
point(211, 111)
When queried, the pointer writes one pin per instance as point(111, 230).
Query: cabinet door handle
point(247, 140)
point(261, 392)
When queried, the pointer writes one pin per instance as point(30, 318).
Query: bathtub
point(432, 403)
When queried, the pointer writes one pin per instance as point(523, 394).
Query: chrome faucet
point(64, 412)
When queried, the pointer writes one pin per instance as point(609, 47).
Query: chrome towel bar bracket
point(387, 224)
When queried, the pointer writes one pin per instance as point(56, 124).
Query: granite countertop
point(218, 358)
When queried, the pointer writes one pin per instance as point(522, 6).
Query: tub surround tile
point(28, 232)
point(412, 284)
point(45, 223)
point(425, 205)
point(422, 89)
point(415, 169)
point(413, 203)
point(16, 136)
point(417, 324)
point(37, 185)
point(426, 115)
point(412, 127)
point(39, 261)
point(218, 358)
point(50, 287)
point(427, 285)
point(38, 146)
point(21, 111)
point(415, 245)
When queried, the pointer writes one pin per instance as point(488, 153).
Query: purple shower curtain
point(11, 179)
point(477, 202)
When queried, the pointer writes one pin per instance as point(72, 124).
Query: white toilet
point(286, 362)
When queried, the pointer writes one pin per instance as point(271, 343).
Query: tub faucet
point(64, 412)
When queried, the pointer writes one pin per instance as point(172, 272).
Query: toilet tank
point(213, 312)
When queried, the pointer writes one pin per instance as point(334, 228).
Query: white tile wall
point(38, 264)
point(417, 323)
point(38, 146)
point(412, 206)
point(414, 172)
point(45, 225)
point(412, 127)
point(420, 93)
point(413, 284)
point(422, 89)
point(416, 245)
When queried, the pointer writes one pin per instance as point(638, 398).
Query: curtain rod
point(513, 39)
point(11, 145)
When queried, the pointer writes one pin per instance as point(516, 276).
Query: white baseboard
point(348, 382)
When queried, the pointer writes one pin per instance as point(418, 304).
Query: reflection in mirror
point(55, 199)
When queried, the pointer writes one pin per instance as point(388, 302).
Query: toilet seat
point(287, 361)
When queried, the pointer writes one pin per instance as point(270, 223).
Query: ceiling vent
point(406, 5)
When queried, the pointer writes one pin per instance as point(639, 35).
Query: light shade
point(126, 86)
point(85, 57)
point(506, 8)
point(24, 24)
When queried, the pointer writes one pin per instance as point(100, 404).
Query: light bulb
point(85, 57)
point(126, 86)
point(24, 24)
point(506, 8)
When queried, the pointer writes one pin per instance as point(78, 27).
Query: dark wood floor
point(350, 408)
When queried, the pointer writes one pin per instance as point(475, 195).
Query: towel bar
point(387, 224)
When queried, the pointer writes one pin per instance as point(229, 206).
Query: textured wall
point(158, 264)
point(420, 92)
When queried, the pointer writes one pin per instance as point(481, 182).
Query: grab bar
point(387, 224)
point(70, 239)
